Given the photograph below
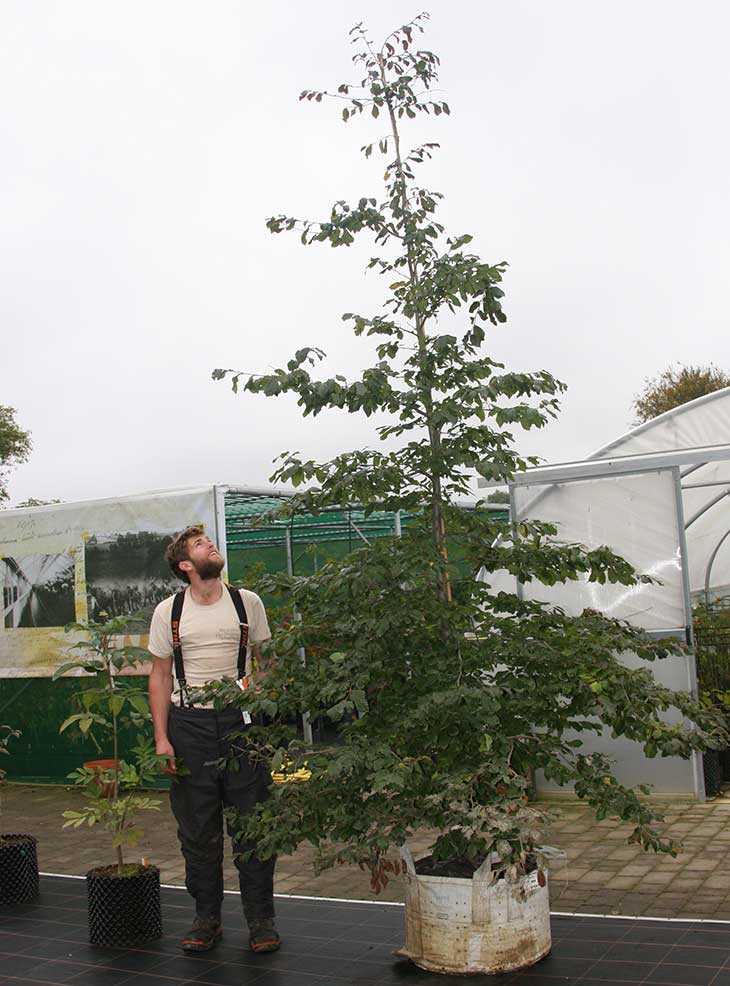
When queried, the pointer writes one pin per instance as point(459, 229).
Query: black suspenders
point(177, 607)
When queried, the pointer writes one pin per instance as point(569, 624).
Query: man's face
point(204, 558)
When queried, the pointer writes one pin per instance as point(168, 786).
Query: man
point(208, 640)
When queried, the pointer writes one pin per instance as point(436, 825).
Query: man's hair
point(177, 550)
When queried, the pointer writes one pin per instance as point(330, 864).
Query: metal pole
point(697, 772)
point(682, 535)
point(710, 563)
point(306, 724)
point(219, 523)
point(396, 524)
point(357, 530)
point(515, 534)
point(699, 486)
point(703, 510)
point(289, 555)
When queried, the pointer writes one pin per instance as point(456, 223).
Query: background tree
point(33, 501)
point(15, 446)
point(447, 694)
point(674, 386)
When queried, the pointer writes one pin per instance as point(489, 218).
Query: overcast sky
point(144, 144)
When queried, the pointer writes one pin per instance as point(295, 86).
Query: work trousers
point(199, 736)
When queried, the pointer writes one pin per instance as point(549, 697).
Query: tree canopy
point(447, 694)
point(675, 386)
point(15, 446)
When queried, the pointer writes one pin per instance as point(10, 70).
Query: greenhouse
point(656, 496)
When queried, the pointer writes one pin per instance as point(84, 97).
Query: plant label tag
point(531, 883)
point(246, 716)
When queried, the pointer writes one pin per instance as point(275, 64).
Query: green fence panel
point(37, 707)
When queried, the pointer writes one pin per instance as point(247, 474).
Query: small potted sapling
point(123, 896)
point(448, 694)
point(18, 853)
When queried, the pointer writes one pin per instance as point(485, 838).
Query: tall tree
point(15, 446)
point(447, 694)
point(675, 386)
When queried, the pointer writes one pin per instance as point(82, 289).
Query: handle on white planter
point(480, 893)
point(550, 852)
point(405, 855)
point(484, 872)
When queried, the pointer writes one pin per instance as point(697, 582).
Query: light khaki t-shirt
point(209, 637)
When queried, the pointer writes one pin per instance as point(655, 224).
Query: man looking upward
point(202, 635)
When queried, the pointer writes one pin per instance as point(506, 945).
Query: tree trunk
point(438, 527)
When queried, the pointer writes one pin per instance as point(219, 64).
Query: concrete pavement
point(602, 874)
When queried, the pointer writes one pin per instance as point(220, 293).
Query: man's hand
point(261, 668)
point(163, 748)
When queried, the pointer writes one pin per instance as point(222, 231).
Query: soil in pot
point(124, 910)
point(18, 868)
point(114, 871)
point(462, 868)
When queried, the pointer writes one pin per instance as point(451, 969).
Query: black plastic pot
point(123, 910)
point(18, 869)
point(725, 764)
point(712, 771)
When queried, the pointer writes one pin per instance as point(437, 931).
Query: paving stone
point(635, 869)
point(571, 873)
point(657, 877)
point(621, 882)
point(717, 881)
point(702, 864)
point(602, 874)
point(625, 852)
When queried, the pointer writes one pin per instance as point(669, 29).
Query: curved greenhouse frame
point(658, 496)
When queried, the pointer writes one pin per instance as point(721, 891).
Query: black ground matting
point(342, 944)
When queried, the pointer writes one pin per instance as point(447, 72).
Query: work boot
point(204, 935)
point(262, 935)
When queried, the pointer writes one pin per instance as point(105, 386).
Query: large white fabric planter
point(472, 926)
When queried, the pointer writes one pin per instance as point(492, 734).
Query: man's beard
point(209, 569)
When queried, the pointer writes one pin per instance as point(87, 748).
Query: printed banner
point(71, 562)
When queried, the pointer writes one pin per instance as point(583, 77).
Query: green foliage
point(712, 652)
point(6, 734)
point(499, 496)
point(447, 695)
point(117, 814)
point(34, 502)
point(713, 615)
point(675, 386)
point(15, 446)
point(106, 702)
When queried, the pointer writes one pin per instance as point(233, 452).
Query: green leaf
point(70, 721)
point(116, 703)
point(139, 703)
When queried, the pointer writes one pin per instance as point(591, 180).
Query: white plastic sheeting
point(702, 422)
point(639, 512)
point(639, 515)
point(660, 497)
